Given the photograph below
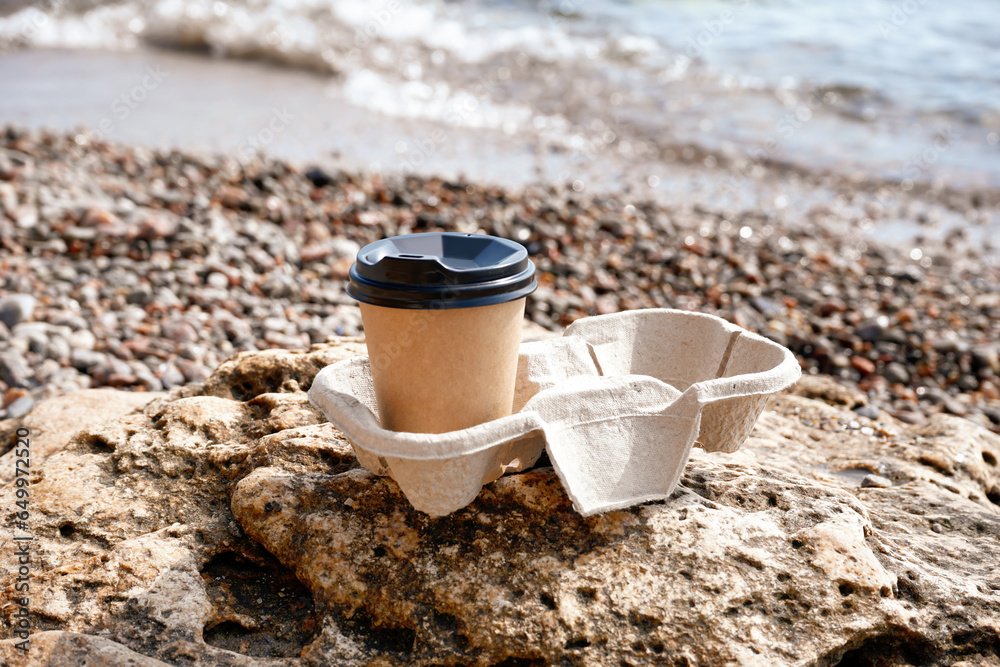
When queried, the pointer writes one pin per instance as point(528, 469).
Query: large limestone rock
point(233, 527)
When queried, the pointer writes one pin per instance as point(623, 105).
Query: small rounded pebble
point(869, 411)
point(20, 407)
point(876, 482)
point(16, 308)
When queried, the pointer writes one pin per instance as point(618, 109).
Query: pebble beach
point(140, 269)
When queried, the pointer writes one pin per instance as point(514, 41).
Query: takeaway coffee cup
point(442, 316)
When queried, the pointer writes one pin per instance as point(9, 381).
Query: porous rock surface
point(53, 422)
point(230, 525)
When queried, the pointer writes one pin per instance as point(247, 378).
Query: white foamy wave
point(116, 27)
point(458, 108)
point(305, 36)
point(328, 35)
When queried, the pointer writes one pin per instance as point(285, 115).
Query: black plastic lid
point(441, 271)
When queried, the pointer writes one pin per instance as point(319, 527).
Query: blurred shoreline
point(903, 97)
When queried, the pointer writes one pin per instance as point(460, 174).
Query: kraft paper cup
point(442, 315)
